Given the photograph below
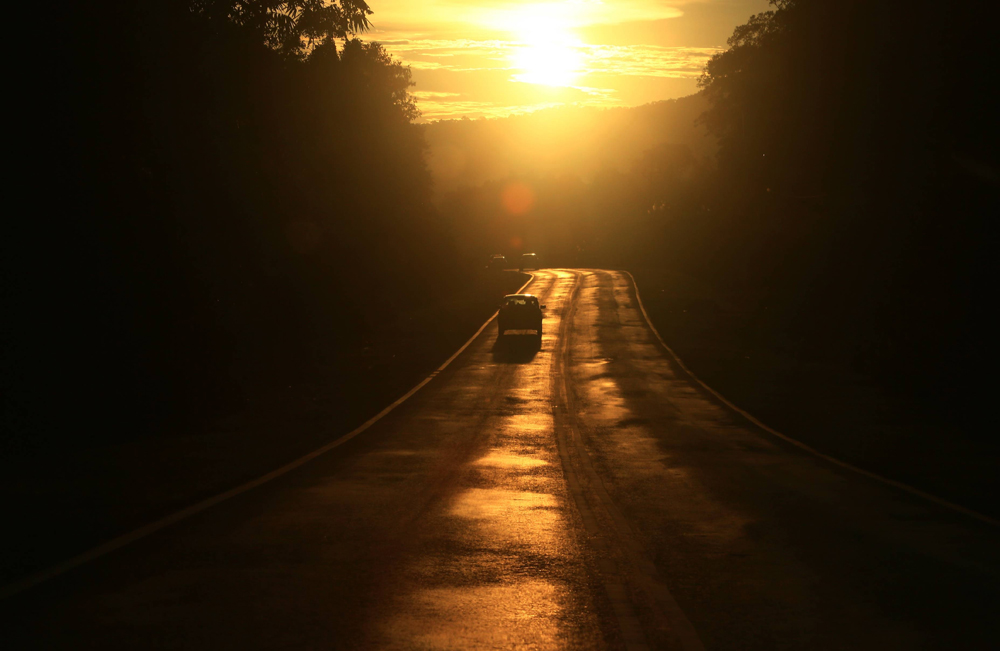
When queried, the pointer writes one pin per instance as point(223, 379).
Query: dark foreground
point(586, 494)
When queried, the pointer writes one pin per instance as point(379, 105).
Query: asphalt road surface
point(584, 494)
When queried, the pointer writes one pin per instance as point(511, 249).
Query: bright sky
point(492, 58)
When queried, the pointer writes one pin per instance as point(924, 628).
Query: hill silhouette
point(566, 141)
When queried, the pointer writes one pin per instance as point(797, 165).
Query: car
point(497, 262)
point(520, 312)
point(528, 261)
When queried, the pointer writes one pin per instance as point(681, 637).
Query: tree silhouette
point(292, 27)
point(847, 132)
point(228, 169)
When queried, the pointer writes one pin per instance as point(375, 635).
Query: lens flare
point(517, 198)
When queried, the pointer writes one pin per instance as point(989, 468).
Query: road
point(583, 494)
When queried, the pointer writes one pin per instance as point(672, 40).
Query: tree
point(292, 27)
point(371, 70)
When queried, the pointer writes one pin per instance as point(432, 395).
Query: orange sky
point(497, 57)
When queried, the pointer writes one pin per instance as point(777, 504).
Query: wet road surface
point(583, 493)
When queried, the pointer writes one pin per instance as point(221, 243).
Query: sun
point(546, 51)
point(547, 63)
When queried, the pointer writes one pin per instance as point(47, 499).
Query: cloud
point(648, 60)
point(515, 15)
point(444, 94)
point(466, 108)
point(433, 94)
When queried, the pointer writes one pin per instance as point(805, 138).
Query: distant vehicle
point(497, 262)
point(528, 261)
point(520, 312)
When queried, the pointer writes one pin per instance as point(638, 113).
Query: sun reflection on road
point(486, 617)
point(497, 459)
point(495, 573)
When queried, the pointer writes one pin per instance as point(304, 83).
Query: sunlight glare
point(549, 53)
point(549, 64)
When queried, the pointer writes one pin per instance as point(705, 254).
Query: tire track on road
point(634, 573)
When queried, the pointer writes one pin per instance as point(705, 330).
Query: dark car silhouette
point(528, 261)
point(520, 312)
point(497, 262)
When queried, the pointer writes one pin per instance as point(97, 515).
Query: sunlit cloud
point(431, 94)
point(456, 109)
point(515, 16)
point(648, 60)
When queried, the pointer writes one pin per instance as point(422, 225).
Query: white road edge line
point(32, 580)
point(799, 444)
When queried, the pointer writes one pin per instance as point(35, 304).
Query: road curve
point(583, 494)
